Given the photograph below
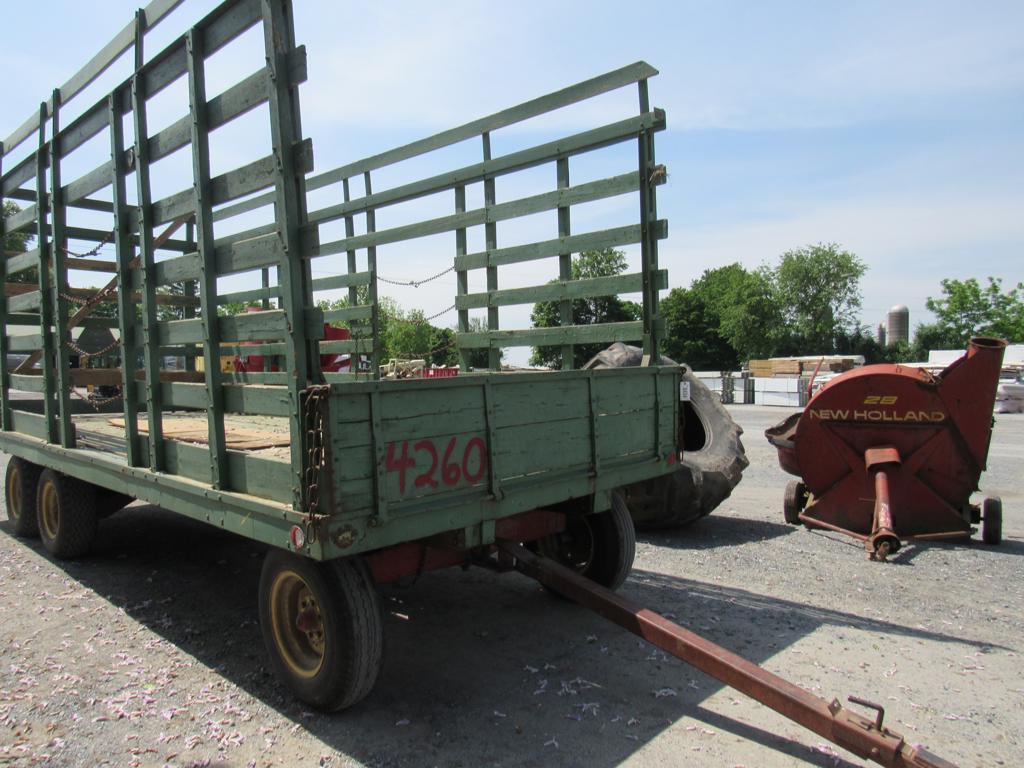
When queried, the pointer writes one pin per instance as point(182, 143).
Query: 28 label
point(448, 467)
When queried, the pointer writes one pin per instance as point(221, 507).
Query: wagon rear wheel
point(20, 495)
point(992, 521)
point(600, 546)
point(65, 514)
point(322, 627)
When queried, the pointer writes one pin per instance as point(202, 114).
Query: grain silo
point(899, 325)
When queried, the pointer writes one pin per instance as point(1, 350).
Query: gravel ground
point(147, 652)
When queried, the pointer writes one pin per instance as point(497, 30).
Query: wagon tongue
point(866, 738)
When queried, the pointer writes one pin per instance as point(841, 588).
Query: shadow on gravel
point(461, 646)
point(714, 532)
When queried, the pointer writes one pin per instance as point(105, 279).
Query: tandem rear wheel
point(65, 514)
point(20, 486)
point(322, 626)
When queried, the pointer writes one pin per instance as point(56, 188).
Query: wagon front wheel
point(65, 514)
point(20, 495)
point(599, 546)
point(322, 627)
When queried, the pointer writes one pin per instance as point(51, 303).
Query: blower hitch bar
point(864, 737)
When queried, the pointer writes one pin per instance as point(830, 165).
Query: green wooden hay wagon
point(349, 477)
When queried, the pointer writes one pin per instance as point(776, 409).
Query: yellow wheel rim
point(50, 506)
point(297, 624)
point(14, 492)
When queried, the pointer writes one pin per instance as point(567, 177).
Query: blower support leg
point(883, 540)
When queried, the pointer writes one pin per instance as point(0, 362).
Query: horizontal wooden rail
point(97, 65)
point(544, 337)
point(526, 206)
point(607, 135)
point(561, 291)
point(605, 83)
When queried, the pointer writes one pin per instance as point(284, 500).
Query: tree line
point(807, 303)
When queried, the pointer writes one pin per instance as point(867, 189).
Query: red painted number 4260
point(446, 467)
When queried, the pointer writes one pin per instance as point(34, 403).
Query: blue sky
point(895, 129)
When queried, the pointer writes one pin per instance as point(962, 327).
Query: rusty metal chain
point(109, 236)
point(96, 403)
point(98, 298)
point(416, 283)
point(316, 457)
point(85, 354)
point(423, 321)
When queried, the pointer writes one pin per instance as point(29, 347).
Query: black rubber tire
point(705, 476)
point(600, 546)
point(353, 628)
point(20, 485)
point(68, 529)
point(992, 521)
point(793, 501)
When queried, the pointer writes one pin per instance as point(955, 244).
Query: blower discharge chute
point(887, 453)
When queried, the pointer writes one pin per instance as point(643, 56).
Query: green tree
point(968, 309)
point(725, 317)
point(818, 292)
point(607, 262)
point(477, 358)
point(408, 335)
point(693, 332)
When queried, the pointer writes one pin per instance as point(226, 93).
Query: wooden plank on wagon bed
point(218, 467)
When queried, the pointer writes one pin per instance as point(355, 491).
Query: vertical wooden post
point(648, 238)
point(207, 259)
point(5, 409)
point(295, 277)
point(371, 266)
point(564, 262)
point(59, 241)
point(48, 361)
point(358, 328)
point(462, 275)
point(491, 238)
point(124, 245)
point(146, 267)
point(189, 290)
point(350, 231)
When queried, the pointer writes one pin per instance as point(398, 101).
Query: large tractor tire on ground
point(712, 456)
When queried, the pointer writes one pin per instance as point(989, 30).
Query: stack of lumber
point(797, 366)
